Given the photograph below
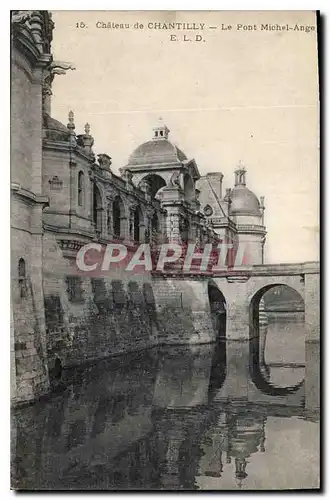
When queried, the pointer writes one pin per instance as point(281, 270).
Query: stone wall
point(29, 363)
point(183, 311)
point(93, 317)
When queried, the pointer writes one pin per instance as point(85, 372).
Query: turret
point(248, 213)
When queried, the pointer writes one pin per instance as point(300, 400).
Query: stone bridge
point(185, 303)
point(241, 292)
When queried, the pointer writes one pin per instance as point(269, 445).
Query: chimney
point(215, 180)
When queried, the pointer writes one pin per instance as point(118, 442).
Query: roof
point(155, 152)
point(244, 202)
point(55, 130)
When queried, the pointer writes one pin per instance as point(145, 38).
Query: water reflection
point(155, 422)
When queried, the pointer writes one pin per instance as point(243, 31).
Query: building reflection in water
point(149, 424)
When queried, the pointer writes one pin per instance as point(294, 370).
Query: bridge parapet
point(286, 269)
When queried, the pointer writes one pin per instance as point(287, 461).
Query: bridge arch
point(218, 310)
point(258, 325)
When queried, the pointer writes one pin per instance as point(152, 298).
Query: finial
point(262, 202)
point(71, 126)
point(240, 175)
point(87, 141)
point(104, 160)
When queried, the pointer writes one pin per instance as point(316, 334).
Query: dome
point(244, 202)
point(156, 151)
point(55, 130)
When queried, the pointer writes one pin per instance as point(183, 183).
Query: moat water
point(169, 419)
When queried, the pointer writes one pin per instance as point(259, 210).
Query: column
point(238, 341)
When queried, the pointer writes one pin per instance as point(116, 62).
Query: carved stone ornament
point(55, 183)
point(208, 210)
point(104, 161)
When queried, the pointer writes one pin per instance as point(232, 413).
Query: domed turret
point(248, 214)
point(243, 201)
point(158, 150)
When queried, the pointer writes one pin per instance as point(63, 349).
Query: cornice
point(251, 228)
point(69, 232)
point(28, 195)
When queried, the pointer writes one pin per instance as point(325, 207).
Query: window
point(22, 278)
point(97, 209)
point(137, 225)
point(117, 215)
point(81, 189)
point(74, 289)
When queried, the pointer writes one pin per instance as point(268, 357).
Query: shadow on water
point(149, 423)
point(284, 341)
point(259, 376)
point(218, 368)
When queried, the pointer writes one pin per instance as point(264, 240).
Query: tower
point(162, 170)
point(247, 213)
point(31, 58)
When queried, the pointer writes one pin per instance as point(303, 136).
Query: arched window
point(117, 215)
point(137, 217)
point(97, 208)
point(81, 189)
point(22, 277)
point(21, 269)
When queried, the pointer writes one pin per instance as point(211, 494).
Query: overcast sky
point(237, 95)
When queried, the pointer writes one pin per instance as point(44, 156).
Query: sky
point(244, 94)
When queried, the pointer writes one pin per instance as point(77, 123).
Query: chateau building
point(65, 196)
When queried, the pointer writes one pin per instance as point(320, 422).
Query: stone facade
point(64, 197)
point(31, 55)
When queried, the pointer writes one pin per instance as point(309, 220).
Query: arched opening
point(218, 310)
point(277, 339)
point(55, 374)
point(22, 277)
point(154, 228)
point(155, 182)
point(136, 224)
point(21, 269)
point(184, 230)
point(117, 216)
point(189, 188)
point(81, 189)
point(155, 223)
point(97, 208)
point(217, 303)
